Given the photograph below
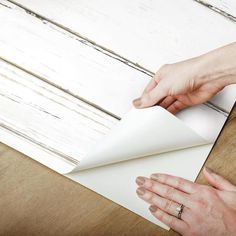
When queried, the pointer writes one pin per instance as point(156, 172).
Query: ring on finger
point(179, 210)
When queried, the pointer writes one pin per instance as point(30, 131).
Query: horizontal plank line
point(208, 104)
point(216, 108)
point(87, 41)
point(62, 29)
point(62, 89)
point(5, 5)
point(41, 145)
point(218, 10)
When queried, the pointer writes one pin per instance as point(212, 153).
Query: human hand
point(190, 82)
point(208, 210)
point(176, 86)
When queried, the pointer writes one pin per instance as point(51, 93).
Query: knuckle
point(167, 205)
point(157, 77)
point(149, 184)
point(163, 178)
point(206, 191)
point(152, 198)
point(169, 192)
point(176, 105)
point(160, 215)
point(162, 71)
point(201, 198)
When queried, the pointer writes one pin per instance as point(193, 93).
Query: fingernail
point(140, 191)
point(137, 102)
point(153, 208)
point(140, 181)
point(210, 171)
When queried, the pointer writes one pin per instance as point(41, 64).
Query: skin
point(191, 82)
point(209, 210)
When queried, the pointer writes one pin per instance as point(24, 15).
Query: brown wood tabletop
point(37, 201)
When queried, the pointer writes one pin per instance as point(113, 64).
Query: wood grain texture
point(147, 38)
point(150, 33)
point(36, 117)
point(59, 58)
point(222, 157)
point(62, 60)
point(224, 6)
point(38, 201)
point(49, 117)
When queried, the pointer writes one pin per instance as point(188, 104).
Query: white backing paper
point(177, 149)
point(140, 133)
point(117, 181)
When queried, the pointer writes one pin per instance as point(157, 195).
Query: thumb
point(151, 98)
point(217, 181)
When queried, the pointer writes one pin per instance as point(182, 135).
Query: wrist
point(218, 66)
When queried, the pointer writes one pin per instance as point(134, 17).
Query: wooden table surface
point(37, 201)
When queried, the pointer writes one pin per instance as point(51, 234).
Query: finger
point(175, 107)
point(167, 102)
point(152, 83)
point(164, 190)
point(218, 181)
point(152, 97)
point(176, 182)
point(166, 205)
point(176, 224)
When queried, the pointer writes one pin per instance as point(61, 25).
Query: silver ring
point(180, 209)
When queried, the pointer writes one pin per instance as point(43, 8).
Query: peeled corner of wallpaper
point(142, 132)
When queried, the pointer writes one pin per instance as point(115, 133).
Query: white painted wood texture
point(227, 6)
point(156, 32)
point(62, 60)
point(147, 32)
point(43, 111)
point(49, 117)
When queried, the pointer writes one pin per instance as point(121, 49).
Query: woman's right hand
point(191, 82)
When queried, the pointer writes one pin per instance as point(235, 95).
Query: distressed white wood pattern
point(53, 119)
point(156, 32)
point(227, 6)
point(47, 116)
point(64, 61)
point(147, 32)
point(78, 68)
point(50, 125)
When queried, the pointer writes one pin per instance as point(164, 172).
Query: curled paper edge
point(142, 132)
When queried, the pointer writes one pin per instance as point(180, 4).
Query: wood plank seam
point(62, 89)
point(67, 109)
point(101, 48)
point(85, 40)
point(61, 29)
point(4, 5)
point(218, 10)
point(208, 104)
point(41, 145)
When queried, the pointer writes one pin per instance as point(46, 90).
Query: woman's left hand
point(208, 210)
